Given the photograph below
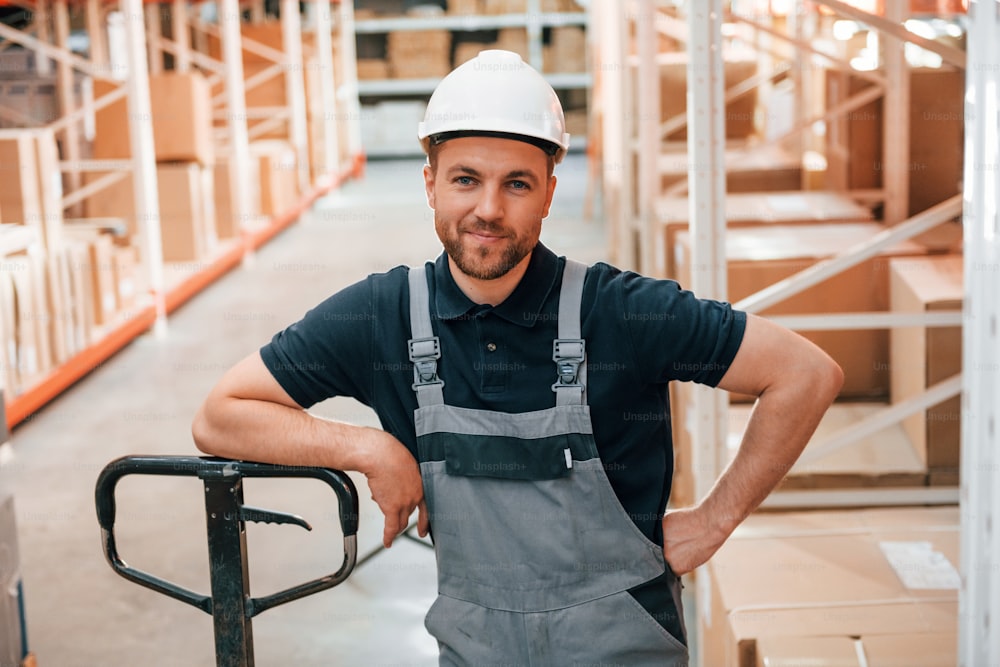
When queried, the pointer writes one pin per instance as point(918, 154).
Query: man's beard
point(474, 262)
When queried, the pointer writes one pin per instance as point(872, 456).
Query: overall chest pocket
point(502, 457)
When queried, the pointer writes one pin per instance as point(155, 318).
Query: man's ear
point(429, 185)
point(550, 190)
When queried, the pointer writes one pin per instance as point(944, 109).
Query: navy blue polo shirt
point(640, 334)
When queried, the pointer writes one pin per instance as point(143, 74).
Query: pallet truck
point(229, 604)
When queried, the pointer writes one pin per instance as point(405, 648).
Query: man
point(523, 400)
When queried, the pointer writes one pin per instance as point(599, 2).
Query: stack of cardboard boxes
point(864, 588)
point(37, 331)
point(62, 280)
point(181, 121)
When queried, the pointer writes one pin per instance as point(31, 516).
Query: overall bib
point(535, 553)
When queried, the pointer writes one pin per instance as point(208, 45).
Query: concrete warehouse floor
point(81, 614)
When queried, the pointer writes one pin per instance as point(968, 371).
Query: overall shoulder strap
point(569, 348)
point(424, 347)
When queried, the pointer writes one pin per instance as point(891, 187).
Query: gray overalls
point(535, 553)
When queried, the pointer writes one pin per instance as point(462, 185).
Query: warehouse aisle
point(80, 614)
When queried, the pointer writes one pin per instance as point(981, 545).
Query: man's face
point(489, 197)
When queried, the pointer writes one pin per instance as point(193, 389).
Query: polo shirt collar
point(522, 307)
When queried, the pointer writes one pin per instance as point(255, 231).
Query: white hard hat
point(496, 94)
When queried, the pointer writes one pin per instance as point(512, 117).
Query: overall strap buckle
point(424, 353)
point(568, 353)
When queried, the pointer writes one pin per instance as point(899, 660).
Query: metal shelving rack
point(533, 19)
point(635, 125)
point(168, 289)
point(632, 125)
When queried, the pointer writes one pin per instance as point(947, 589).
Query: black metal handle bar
point(230, 473)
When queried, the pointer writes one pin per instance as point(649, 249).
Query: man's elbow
point(829, 378)
point(202, 432)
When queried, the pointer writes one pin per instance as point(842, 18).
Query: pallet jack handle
point(229, 604)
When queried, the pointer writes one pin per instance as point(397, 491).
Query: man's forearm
point(780, 426)
point(257, 430)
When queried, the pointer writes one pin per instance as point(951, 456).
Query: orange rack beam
point(23, 406)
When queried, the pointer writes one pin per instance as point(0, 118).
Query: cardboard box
point(76, 256)
point(31, 182)
point(417, 43)
point(937, 135)
point(749, 169)
point(745, 209)
point(21, 250)
point(59, 308)
point(854, 139)
point(867, 650)
point(937, 121)
point(181, 118)
point(97, 265)
point(761, 256)
point(885, 459)
point(567, 50)
point(372, 69)
point(279, 189)
point(673, 92)
point(419, 54)
point(8, 336)
point(20, 191)
point(125, 272)
point(187, 209)
point(863, 573)
point(227, 222)
point(922, 356)
point(29, 353)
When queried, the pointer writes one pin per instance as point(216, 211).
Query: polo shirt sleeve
point(676, 335)
point(328, 352)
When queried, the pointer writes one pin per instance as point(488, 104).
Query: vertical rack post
point(979, 597)
point(96, 34)
point(67, 97)
point(327, 78)
point(291, 36)
point(147, 202)
point(615, 73)
point(896, 122)
point(347, 97)
point(41, 20)
point(181, 35)
point(236, 111)
point(707, 193)
point(647, 125)
point(154, 30)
